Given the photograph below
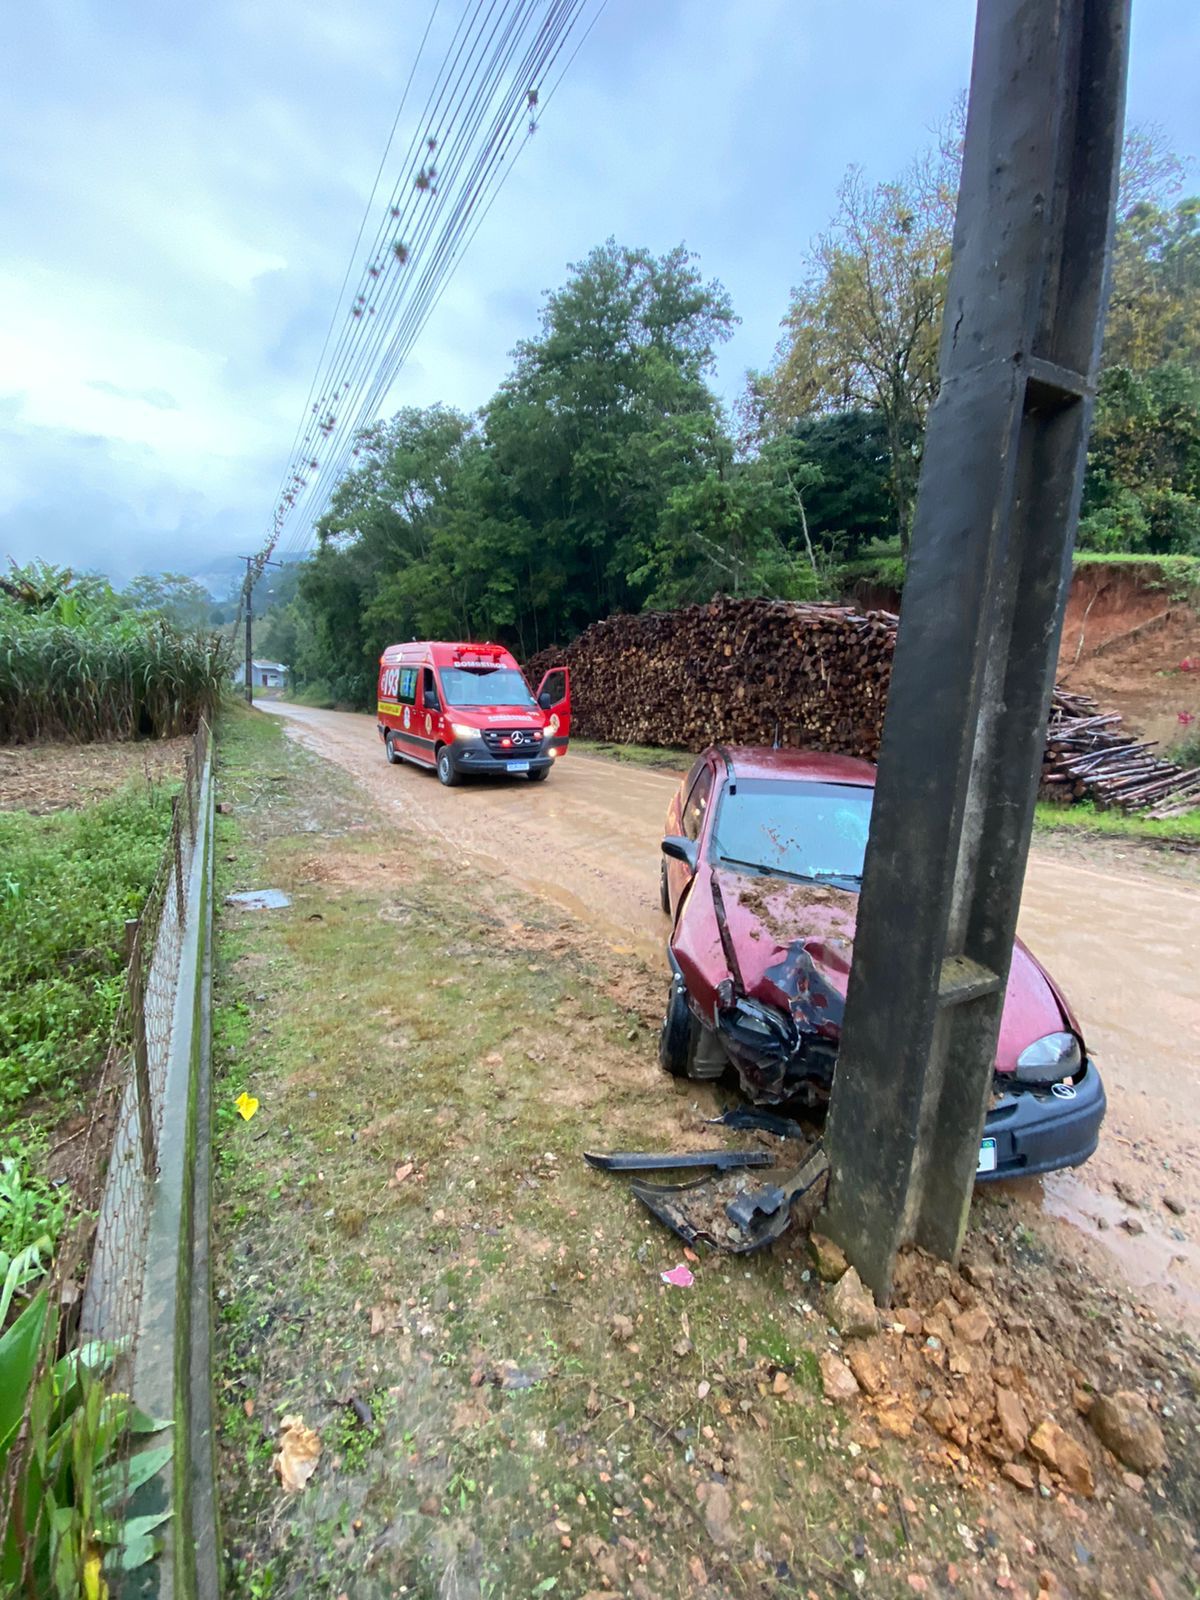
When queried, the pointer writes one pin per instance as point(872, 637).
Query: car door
point(431, 714)
point(692, 815)
point(557, 684)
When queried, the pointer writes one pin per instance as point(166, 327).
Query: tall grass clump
point(72, 667)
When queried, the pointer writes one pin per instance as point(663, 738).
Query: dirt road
point(1124, 942)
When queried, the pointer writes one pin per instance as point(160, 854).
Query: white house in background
point(266, 674)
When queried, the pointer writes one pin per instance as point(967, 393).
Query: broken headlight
point(758, 1027)
point(1049, 1060)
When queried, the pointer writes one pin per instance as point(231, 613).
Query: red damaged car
point(761, 869)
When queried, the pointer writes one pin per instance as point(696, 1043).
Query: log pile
point(1089, 756)
point(733, 671)
point(751, 671)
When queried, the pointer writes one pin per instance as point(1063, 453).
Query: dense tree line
point(605, 475)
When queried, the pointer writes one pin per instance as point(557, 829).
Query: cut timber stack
point(1089, 757)
point(733, 671)
point(741, 671)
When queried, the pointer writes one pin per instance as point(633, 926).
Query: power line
point(493, 84)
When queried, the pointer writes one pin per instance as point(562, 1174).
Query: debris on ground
point(729, 1212)
point(298, 1454)
point(247, 1105)
point(650, 1161)
point(259, 899)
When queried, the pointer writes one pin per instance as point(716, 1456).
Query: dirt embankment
point(1127, 629)
point(1126, 635)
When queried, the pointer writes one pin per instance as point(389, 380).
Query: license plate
point(987, 1156)
point(518, 766)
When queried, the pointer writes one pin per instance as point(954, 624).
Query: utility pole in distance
point(252, 562)
point(979, 627)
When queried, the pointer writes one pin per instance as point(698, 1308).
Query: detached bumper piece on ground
point(727, 1211)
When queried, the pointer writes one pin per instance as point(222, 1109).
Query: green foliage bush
point(67, 885)
point(31, 1210)
point(63, 1433)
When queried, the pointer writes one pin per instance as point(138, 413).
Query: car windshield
point(816, 831)
point(485, 686)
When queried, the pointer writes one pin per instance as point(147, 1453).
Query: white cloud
point(181, 187)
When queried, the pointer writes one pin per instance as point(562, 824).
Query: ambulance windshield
point(487, 686)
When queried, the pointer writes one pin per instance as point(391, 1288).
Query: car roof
point(764, 761)
point(445, 653)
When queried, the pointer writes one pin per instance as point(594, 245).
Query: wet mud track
point(1123, 940)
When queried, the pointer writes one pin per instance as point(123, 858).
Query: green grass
point(1084, 818)
point(317, 694)
point(637, 755)
point(406, 1223)
point(1180, 575)
point(412, 1016)
point(68, 883)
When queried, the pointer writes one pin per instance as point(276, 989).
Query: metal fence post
point(141, 1058)
point(177, 851)
point(189, 782)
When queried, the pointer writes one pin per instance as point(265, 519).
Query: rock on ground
point(838, 1381)
point(1125, 1424)
point(851, 1307)
point(1063, 1455)
point(828, 1258)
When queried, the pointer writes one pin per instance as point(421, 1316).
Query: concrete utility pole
point(247, 595)
point(979, 628)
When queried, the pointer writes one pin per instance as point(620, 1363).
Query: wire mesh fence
point(73, 1445)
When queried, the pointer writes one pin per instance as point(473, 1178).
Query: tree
point(1142, 491)
point(862, 329)
point(178, 599)
point(606, 413)
point(1154, 308)
point(382, 521)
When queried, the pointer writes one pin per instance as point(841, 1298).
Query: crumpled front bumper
point(1043, 1132)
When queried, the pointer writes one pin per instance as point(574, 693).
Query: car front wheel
point(676, 1039)
point(446, 770)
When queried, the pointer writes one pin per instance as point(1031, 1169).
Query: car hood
point(794, 942)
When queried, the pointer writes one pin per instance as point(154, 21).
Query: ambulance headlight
point(463, 730)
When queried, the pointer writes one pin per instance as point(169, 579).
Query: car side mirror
point(680, 849)
point(545, 701)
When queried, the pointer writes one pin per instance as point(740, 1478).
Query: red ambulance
point(463, 708)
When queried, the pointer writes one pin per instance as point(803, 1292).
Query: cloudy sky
point(180, 188)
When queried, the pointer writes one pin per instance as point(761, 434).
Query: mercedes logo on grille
point(518, 737)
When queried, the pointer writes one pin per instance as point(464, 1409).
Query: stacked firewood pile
point(1088, 756)
point(751, 671)
point(733, 671)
